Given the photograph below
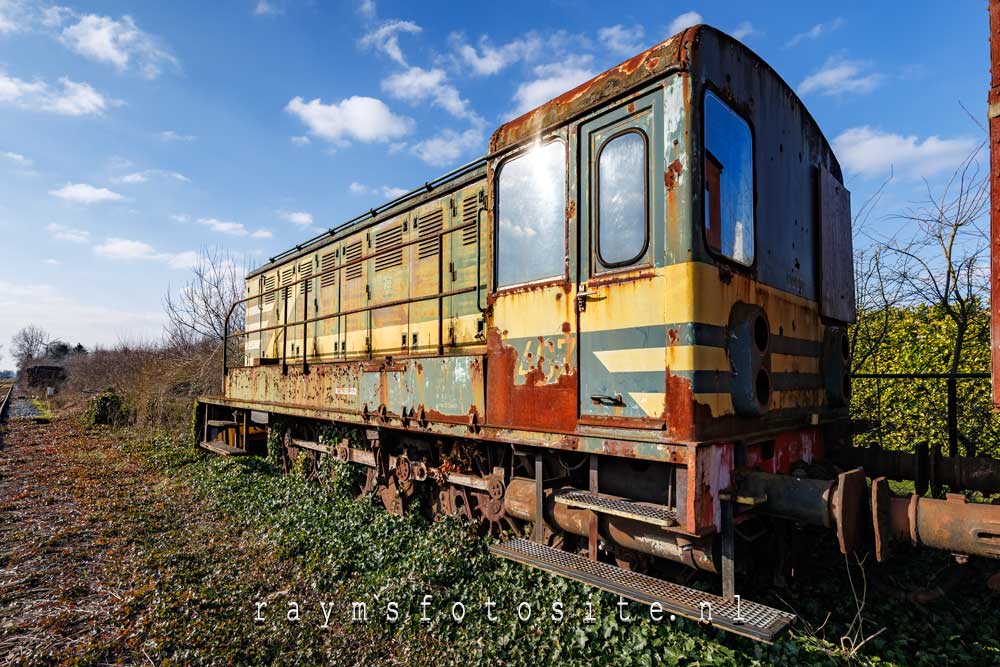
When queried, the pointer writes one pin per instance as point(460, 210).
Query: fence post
point(952, 416)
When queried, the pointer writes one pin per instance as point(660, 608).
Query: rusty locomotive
point(623, 327)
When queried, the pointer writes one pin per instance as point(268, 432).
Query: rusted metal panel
point(664, 57)
point(836, 278)
point(994, 120)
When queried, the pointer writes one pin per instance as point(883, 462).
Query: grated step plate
point(756, 621)
point(222, 423)
point(222, 449)
point(659, 516)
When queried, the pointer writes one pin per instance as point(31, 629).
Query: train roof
point(674, 54)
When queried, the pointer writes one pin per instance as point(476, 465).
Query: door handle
point(604, 399)
point(581, 300)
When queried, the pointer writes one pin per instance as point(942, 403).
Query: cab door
point(622, 346)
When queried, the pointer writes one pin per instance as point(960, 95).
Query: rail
point(954, 435)
point(6, 402)
point(305, 321)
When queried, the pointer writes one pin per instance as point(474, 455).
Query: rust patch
point(534, 404)
point(674, 170)
point(671, 53)
point(682, 413)
point(672, 335)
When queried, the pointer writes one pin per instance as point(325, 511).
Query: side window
point(621, 199)
point(728, 160)
point(531, 215)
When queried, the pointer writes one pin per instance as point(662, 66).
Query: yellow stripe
point(641, 359)
point(696, 358)
point(653, 404)
point(719, 404)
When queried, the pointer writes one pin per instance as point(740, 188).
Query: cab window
point(728, 164)
point(531, 216)
point(621, 199)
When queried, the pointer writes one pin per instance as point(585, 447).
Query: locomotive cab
point(676, 259)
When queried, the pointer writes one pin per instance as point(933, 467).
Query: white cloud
point(872, 153)
point(392, 193)
point(14, 16)
point(386, 191)
point(300, 218)
point(448, 146)
point(118, 43)
point(184, 260)
point(265, 8)
point(118, 248)
point(365, 119)
point(262, 234)
point(385, 38)
point(621, 40)
point(552, 80)
point(839, 76)
point(171, 135)
point(685, 20)
point(16, 157)
point(815, 32)
point(416, 85)
point(69, 98)
point(743, 30)
point(180, 217)
point(367, 9)
point(300, 140)
point(52, 262)
point(84, 193)
point(143, 176)
point(487, 59)
point(224, 226)
point(65, 233)
point(131, 250)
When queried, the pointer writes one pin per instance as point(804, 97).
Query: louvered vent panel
point(470, 209)
point(430, 234)
point(326, 264)
point(287, 276)
point(388, 238)
point(305, 271)
point(268, 286)
point(352, 253)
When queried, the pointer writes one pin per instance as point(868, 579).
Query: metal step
point(656, 515)
point(222, 449)
point(222, 423)
point(742, 617)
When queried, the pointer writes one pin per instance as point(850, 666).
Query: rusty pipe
point(696, 553)
point(925, 466)
point(952, 524)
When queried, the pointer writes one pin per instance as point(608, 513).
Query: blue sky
point(132, 135)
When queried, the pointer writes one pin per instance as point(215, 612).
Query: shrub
point(107, 409)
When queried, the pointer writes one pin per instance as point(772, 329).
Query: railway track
point(6, 403)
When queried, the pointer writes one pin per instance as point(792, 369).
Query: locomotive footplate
point(742, 617)
point(601, 503)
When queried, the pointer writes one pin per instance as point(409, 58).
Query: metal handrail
point(426, 187)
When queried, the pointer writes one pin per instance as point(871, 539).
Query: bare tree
point(875, 293)
point(197, 312)
point(197, 320)
point(28, 344)
point(945, 262)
